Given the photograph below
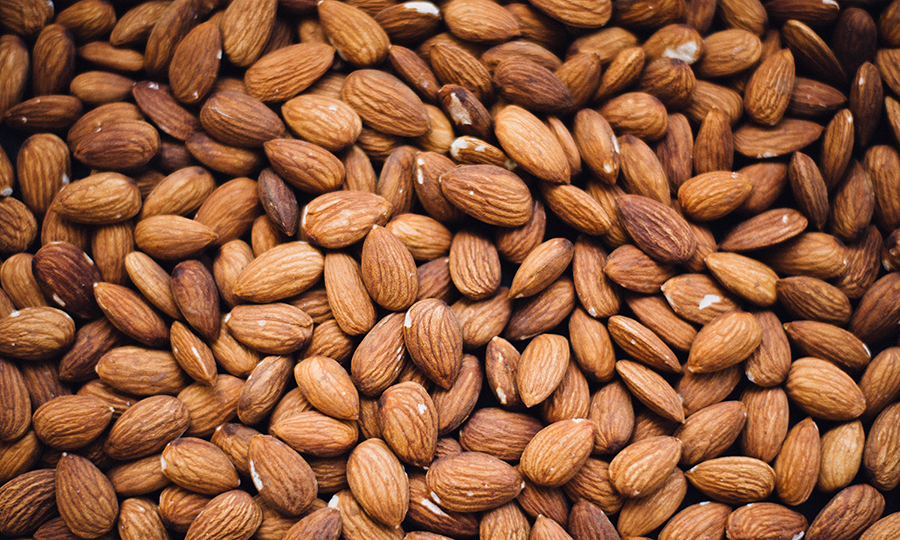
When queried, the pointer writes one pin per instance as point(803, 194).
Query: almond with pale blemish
point(270, 328)
point(283, 478)
point(409, 422)
point(490, 481)
point(697, 297)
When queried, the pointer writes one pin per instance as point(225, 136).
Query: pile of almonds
point(566, 269)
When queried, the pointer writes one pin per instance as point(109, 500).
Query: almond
point(733, 480)
point(839, 399)
point(642, 467)
point(85, 497)
point(656, 229)
point(433, 340)
point(54, 426)
point(199, 466)
point(492, 482)
point(764, 520)
point(327, 387)
point(232, 514)
point(281, 272)
point(378, 482)
point(282, 477)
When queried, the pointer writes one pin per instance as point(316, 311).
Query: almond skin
point(282, 477)
point(642, 467)
point(85, 497)
point(492, 482)
point(556, 452)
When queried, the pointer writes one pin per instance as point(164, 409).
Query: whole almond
point(839, 398)
point(733, 480)
point(327, 387)
point(656, 229)
point(531, 144)
point(85, 497)
point(797, 465)
point(53, 421)
point(764, 520)
point(231, 515)
point(198, 465)
point(555, 453)
point(378, 482)
point(279, 273)
point(642, 467)
point(433, 340)
point(282, 477)
point(491, 481)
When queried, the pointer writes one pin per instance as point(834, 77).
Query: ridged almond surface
point(85, 497)
point(434, 340)
point(531, 144)
point(70, 422)
point(232, 515)
point(733, 480)
point(723, 342)
point(282, 477)
point(555, 453)
point(199, 466)
point(651, 389)
point(409, 422)
point(378, 481)
point(341, 218)
point(541, 368)
point(491, 482)
point(797, 465)
point(279, 273)
point(642, 467)
point(824, 391)
point(764, 521)
point(327, 387)
point(488, 193)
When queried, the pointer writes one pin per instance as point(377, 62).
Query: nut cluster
point(295, 269)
